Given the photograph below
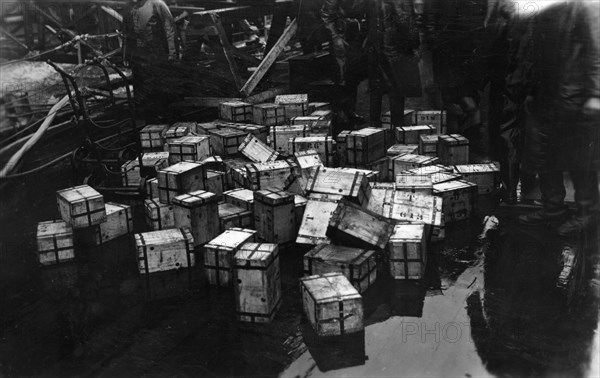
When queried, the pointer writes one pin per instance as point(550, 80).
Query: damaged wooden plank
point(269, 59)
point(227, 49)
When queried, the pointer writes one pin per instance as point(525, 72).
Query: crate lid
point(226, 131)
point(429, 169)
point(429, 138)
point(162, 237)
point(273, 197)
point(322, 113)
point(181, 167)
point(213, 159)
point(53, 228)
point(309, 118)
point(79, 193)
point(415, 128)
point(312, 139)
point(241, 193)
point(113, 207)
point(454, 139)
point(408, 232)
point(330, 287)
point(256, 255)
point(399, 149)
point(267, 105)
point(299, 200)
point(292, 99)
point(160, 128)
point(234, 103)
point(178, 130)
point(452, 185)
point(367, 131)
point(193, 199)
point(151, 158)
point(339, 254)
point(477, 168)
point(189, 139)
point(271, 166)
point(414, 158)
point(232, 238)
point(191, 125)
point(327, 197)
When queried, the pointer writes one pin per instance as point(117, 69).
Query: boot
point(575, 225)
point(543, 217)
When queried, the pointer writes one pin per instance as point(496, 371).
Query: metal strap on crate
point(88, 213)
point(146, 267)
point(406, 260)
point(187, 253)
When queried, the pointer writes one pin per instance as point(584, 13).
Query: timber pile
point(225, 198)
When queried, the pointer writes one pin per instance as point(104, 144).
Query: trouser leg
point(397, 103)
point(553, 191)
point(586, 191)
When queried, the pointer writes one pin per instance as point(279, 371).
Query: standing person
point(346, 21)
point(453, 34)
point(563, 125)
point(394, 57)
point(149, 48)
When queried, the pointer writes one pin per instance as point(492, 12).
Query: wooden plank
point(267, 95)
point(13, 38)
point(112, 12)
point(227, 49)
point(270, 58)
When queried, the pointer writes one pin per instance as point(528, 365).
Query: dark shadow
point(407, 298)
point(523, 324)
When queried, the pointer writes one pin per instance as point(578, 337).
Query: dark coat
point(566, 73)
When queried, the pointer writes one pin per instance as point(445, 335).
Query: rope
point(37, 169)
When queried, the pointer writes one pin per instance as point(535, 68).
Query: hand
point(339, 46)
point(592, 107)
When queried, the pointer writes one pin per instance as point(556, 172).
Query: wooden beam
point(227, 50)
point(208, 102)
point(13, 38)
point(267, 95)
point(269, 59)
point(112, 12)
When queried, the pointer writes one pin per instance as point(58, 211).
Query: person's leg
point(397, 103)
point(375, 90)
point(553, 196)
point(586, 199)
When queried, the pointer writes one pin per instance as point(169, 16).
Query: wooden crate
point(365, 146)
point(414, 183)
point(199, 212)
point(486, 176)
point(256, 150)
point(317, 125)
point(55, 242)
point(299, 208)
point(119, 222)
point(429, 169)
point(159, 216)
point(257, 282)
point(81, 206)
point(225, 142)
point(189, 148)
point(377, 170)
point(180, 178)
point(270, 175)
point(235, 111)
point(178, 130)
point(240, 197)
point(315, 220)
point(164, 250)
point(341, 181)
point(412, 134)
point(130, 174)
point(428, 144)
point(152, 137)
point(436, 118)
point(204, 128)
point(372, 176)
point(275, 216)
point(400, 149)
point(152, 188)
point(332, 305)
point(294, 104)
point(401, 163)
point(280, 135)
point(234, 168)
point(215, 183)
point(324, 145)
point(268, 114)
point(306, 160)
point(407, 251)
point(405, 206)
point(351, 224)
point(232, 216)
point(358, 265)
point(340, 142)
point(459, 199)
point(155, 161)
point(453, 149)
point(296, 183)
point(219, 253)
point(215, 163)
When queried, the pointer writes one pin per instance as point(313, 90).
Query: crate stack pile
point(225, 198)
